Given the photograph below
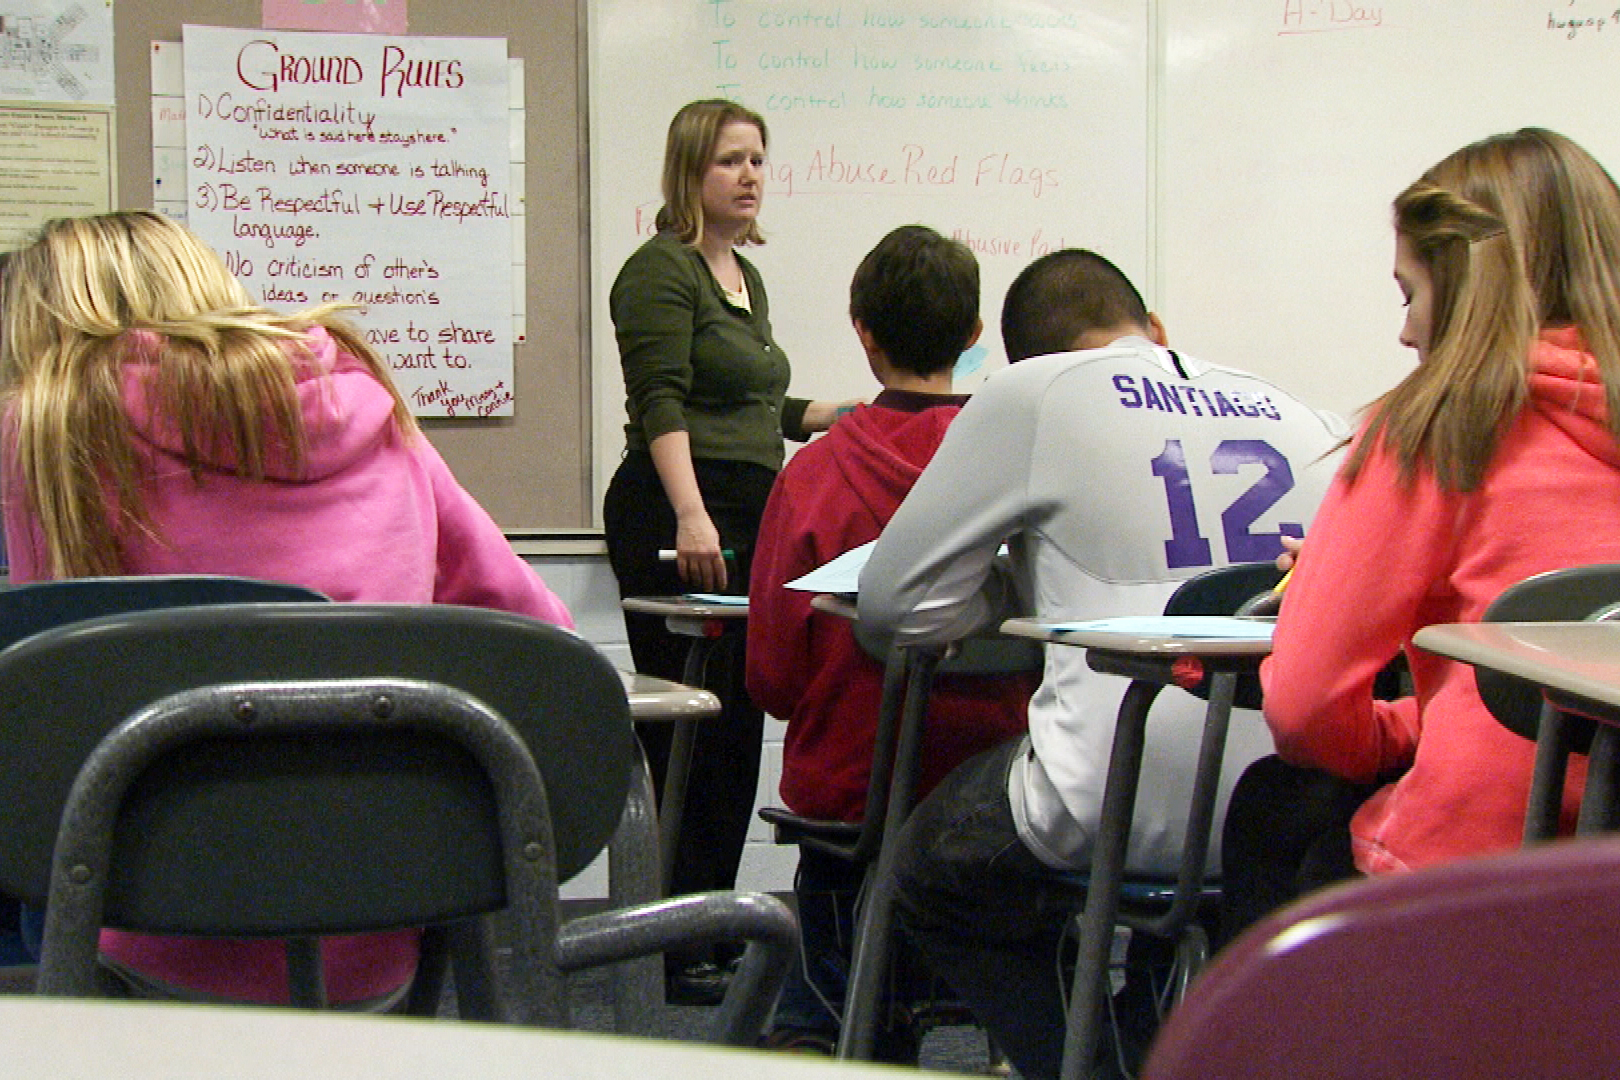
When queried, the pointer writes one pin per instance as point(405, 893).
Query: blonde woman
point(705, 386)
point(157, 421)
point(1494, 460)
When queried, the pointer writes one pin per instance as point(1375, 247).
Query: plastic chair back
point(62, 691)
point(1557, 596)
point(30, 608)
point(1496, 967)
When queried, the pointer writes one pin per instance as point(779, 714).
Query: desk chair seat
point(295, 770)
point(1573, 594)
point(1495, 967)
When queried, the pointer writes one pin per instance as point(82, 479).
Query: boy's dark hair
point(1060, 296)
point(917, 294)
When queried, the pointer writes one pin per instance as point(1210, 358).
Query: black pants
point(725, 760)
point(1287, 833)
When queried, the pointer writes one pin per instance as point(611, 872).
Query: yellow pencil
point(1283, 584)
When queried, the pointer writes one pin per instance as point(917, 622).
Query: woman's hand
point(1291, 546)
point(697, 552)
point(821, 415)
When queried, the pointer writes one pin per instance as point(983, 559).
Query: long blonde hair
point(1518, 231)
point(688, 153)
point(224, 373)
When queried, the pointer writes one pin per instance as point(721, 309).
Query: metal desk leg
point(1602, 764)
point(1107, 870)
point(679, 768)
point(633, 866)
point(863, 997)
point(1547, 778)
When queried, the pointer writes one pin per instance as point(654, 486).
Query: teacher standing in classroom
point(706, 396)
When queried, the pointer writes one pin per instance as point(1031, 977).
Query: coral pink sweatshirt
point(1385, 559)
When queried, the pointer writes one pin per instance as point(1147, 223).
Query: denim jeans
point(825, 889)
point(1287, 833)
point(986, 914)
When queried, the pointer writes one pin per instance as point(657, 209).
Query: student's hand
point(697, 552)
point(1291, 546)
point(821, 415)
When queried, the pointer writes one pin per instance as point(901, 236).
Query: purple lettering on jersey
point(1171, 397)
point(1185, 547)
point(1150, 398)
point(1241, 544)
point(1224, 406)
point(1128, 394)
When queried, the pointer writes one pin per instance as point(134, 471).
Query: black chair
point(1571, 595)
point(28, 608)
point(908, 677)
point(296, 770)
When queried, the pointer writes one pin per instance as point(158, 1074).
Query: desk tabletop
point(652, 698)
point(834, 604)
point(1579, 658)
point(1139, 644)
point(684, 607)
point(54, 1039)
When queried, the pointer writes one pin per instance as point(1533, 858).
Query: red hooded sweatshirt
point(805, 667)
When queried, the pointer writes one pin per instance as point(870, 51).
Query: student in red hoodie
point(914, 302)
point(1494, 460)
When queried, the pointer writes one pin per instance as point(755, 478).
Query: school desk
point(1577, 666)
point(705, 623)
point(1147, 659)
point(57, 1039)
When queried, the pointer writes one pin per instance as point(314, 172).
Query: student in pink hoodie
point(1494, 460)
point(157, 421)
point(915, 305)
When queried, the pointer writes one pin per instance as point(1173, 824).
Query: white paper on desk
point(841, 576)
point(1218, 627)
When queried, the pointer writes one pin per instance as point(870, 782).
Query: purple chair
point(1502, 966)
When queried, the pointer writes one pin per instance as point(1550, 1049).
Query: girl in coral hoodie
point(157, 421)
point(1494, 460)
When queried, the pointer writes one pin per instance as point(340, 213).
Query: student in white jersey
point(1113, 468)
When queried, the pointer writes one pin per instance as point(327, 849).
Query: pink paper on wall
point(349, 16)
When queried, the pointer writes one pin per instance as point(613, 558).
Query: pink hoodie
point(1385, 559)
point(373, 518)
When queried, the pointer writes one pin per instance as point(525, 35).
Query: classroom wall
point(532, 469)
point(1237, 158)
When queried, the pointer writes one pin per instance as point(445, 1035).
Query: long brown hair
point(1518, 232)
point(224, 372)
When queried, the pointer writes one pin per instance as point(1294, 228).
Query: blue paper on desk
point(717, 599)
point(1208, 627)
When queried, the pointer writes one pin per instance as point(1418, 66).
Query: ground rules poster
point(366, 169)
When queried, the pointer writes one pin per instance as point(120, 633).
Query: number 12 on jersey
point(1187, 545)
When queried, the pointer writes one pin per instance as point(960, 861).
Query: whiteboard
point(1237, 158)
point(1289, 126)
point(1019, 126)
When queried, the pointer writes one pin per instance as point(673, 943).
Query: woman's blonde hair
point(1518, 231)
point(223, 373)
point(688, 153)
